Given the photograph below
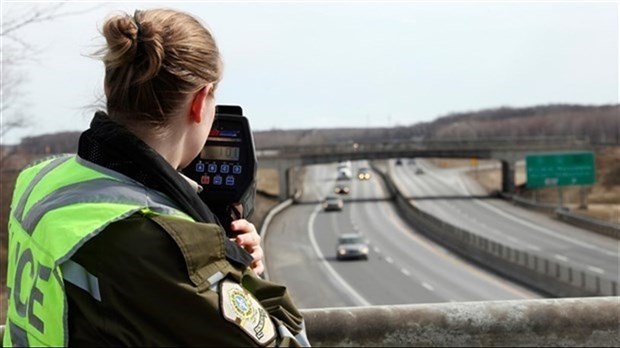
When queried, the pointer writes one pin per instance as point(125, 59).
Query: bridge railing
point(531, 143)
point(572, 322)
point(568, 322)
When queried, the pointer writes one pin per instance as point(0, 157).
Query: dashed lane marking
point(428, 286)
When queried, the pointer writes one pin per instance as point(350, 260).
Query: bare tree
point(16, 52)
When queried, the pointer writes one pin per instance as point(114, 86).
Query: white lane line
point(377, 250)
point(596, 270)
point(359, 299)
point(513, 239)
point(446, 255)
point(561, 257)
point(533, 226)
point(428, 286)
point(533, 247)
point(389, 260)
point(405, 272)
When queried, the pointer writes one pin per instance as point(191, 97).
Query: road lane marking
point(428, 286)
point(596, 270)
point(533, 247)
point(447, 255)
point(389, 260)
point(405, 272)
point(377, 250)
point(561, 257)
point(533, 226)
point(359, 299)
point(513, 239)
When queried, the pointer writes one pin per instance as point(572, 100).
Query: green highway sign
point(559, 169)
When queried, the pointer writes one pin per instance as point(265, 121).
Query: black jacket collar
point(111, 145)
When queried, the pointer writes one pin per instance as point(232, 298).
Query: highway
point(403, 266)
point(447, 194)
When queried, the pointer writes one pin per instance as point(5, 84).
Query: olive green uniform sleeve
point(277, 301)
point(158, 279)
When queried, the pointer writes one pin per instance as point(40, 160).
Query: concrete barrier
point(576, 322)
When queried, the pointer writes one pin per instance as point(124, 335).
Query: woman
point(113, 246)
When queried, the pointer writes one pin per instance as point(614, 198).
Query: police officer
point(113, 246)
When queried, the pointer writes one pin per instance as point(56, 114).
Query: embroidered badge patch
point(240, 307)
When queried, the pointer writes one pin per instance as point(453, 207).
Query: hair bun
point(150, 52)
point(155, 61)
point(131, 42)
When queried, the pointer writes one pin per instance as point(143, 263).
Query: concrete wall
point(574, 322)
point(570, 322)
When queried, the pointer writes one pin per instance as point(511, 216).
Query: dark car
point(419, 171)
point(399, 162)
point(332, 203)
point(351, 246)
point(342, 189)
point(363, 173)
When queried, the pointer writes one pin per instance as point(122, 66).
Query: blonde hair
point(153, 61)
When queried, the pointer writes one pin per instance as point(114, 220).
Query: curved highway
point(403, 267)
point(452, 196)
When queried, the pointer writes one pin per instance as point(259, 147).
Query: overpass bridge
point(505, 150)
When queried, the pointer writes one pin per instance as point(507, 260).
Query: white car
point(352, 246)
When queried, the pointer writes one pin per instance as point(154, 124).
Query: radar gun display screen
point(226, 166)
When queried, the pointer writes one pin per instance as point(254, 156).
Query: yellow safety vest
point(59, 204)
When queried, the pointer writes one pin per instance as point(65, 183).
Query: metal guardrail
point(606, 228)
point(602, 227)
point(530, 204)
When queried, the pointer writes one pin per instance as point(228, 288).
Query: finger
point(242, 225)
point(250, 239)
point(257, 253)
point(258, 267)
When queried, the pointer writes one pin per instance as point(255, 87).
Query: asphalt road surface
point(403, 267)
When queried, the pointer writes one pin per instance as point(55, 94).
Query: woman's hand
point(249, 239)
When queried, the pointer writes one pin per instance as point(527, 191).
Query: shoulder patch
point(239, 307)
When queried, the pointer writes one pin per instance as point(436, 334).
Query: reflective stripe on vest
point(58, 205)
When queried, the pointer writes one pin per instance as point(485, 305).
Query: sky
point(329, 64)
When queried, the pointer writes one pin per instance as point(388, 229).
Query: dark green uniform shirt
point(160, 283)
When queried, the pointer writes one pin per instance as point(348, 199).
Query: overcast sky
point(318, 64)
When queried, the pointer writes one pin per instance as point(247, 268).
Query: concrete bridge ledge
point(549, 322)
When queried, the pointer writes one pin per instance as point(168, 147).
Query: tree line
point(600, 124)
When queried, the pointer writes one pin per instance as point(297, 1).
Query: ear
point(198, 103)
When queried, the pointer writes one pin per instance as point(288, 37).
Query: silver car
point(352, 246)
point(333, 203)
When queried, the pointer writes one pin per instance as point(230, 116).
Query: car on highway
point(352, 246)
point(342, 189)
point(419, 171)
point(363, 173)
point(399, 162)
point(344, 174)
point(333, 203)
